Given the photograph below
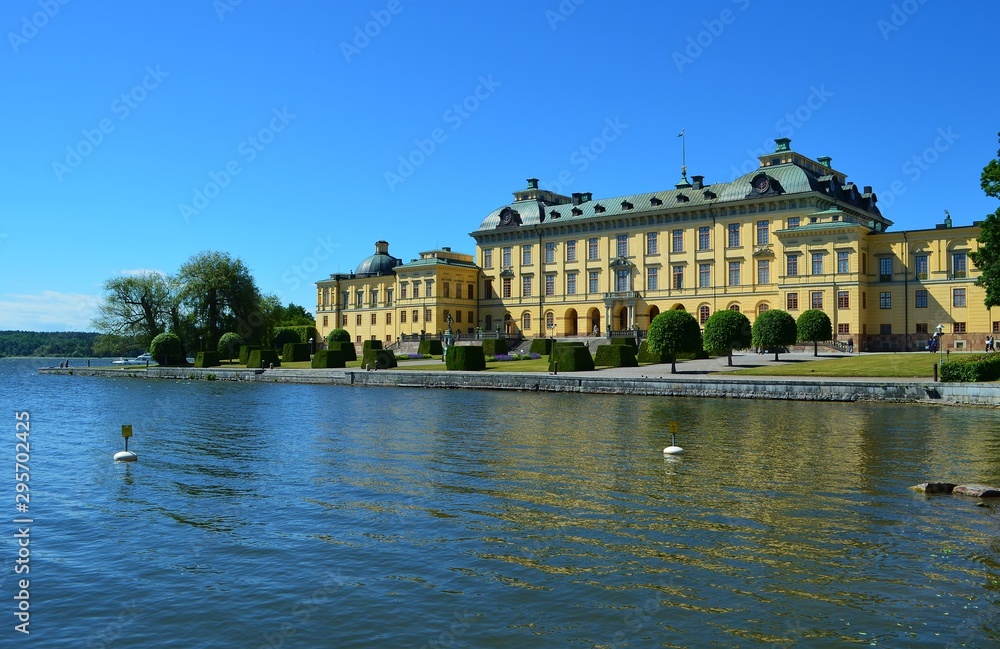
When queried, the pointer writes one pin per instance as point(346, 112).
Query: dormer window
point(654, 201)
point(626, 205)
point(682, 198)
point(577, 211)
point(555, 214)
point(598, 208)
point(709, 194)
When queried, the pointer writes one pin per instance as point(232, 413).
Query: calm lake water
point(323, 516)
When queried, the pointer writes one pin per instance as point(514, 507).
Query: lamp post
point(311, 346)
point(201, 343)
point(939, 330)
point(552, 331)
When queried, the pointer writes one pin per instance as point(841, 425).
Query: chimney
point(446, 248)
point(698, 182)
point(868, 189)
point(381, 247)
point(577, 198)
point(824, 160)
point(532, 183)
point(586, 196)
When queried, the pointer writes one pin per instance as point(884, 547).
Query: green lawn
point(915, 364)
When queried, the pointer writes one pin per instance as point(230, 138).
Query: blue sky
point(295, 134)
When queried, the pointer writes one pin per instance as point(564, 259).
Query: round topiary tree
point(773, 329)
point(165, 348)
point(673, 332)
point(725, 331)
point(229, 345)
point(338, 336)
point(813, 326)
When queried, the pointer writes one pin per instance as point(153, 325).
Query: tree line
point(71, 344)
point(210, 295)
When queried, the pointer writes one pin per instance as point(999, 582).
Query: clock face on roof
point(506, 218)
point(761, 184)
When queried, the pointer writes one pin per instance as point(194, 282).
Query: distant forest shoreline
point(67, 344)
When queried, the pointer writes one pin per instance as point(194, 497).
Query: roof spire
point(683, 183)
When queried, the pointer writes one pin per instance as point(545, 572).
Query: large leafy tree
point(813, 326)
point(135, 309)
point(674, 332)
point(220, 294)
point(773, 329)
point(987, 258)
point(294, 315)
point(725, 331)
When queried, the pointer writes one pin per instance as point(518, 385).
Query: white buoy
point(126, 456)
point(673, 449)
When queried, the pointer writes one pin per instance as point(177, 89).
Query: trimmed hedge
point(616, 356)
point(971, 369)
point(628, 342)
point(379, 359)
point(265, 356)
point(292, 352)
point(325, 358)
point(245, 353)
point(345, 348)
point(304, 333)
point(167, 349)
point(283, 337)
point(370, 344)
point(572, 357)
point(338, 336)
point(541, 346)
point(646, 356)
point(466, 357)
point(207, 359)
point(432, 347)
point(494, 346)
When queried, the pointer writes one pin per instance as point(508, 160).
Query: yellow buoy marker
point(126, 455)
point(673, 449)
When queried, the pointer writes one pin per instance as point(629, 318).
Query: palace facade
point(795, 234)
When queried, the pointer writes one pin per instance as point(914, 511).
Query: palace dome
point(381, 263)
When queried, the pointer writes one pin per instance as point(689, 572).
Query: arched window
point(488, 323)
point(550, 319)
point(703, 314)
point(526, 321)
point(735, 307)
point(762, 308)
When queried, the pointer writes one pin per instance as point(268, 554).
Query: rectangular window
point(678, 275)
point(427, 315)
point(958, 297)
point(571, 250)
point(621, 245)
point(472, 291)
point(526, 286)
point(817, 263)
point(472, 317)
point(402, 317)
point(703, 238)
point(734, 235)
point(593, 285)
point(763, 271)
point(734, 273)
point(458, 316)
point(843, 328)
point(885, 329)
point(550, 253)
point(507, 281)
point(571, 284)
point(843, 299)
point(505, 256)
point(921, 328)
point(885, 269)
point(488, 287)
point(343, 322)
point(652, 243)
point(388, 296)
point(843, 262)
point(447, 289)
point(346, 297)
point(325, 320)
point(704, 275)
point(488, 258)
point(622, 280)
point(525, 255)
point(416, 316)
point(792, 301)
point(416, 290)
point(374, 319)
point(864, 301)
point(958, 328)
point(885, 300)
point(921, 299)
point(677, 240)
point(592, 252)
point(958, 265)
point(792, 265)
point(458, 290)
point(359, 297)
point(762, 233)
point(996, 327)
point(402, 291)
point(550, 284)
point(652, 279)
point(428, 284)
point(793, 222)
point(816, 300)
point(921, 266)
point(357, 320)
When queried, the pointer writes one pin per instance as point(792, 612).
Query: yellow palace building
point(794, 234)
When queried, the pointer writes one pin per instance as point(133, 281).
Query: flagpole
point(683, 154)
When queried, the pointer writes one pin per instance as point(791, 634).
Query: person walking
point(850, 345)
